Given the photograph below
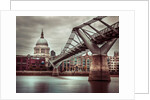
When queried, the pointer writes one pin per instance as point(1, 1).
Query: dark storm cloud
point(57, 29)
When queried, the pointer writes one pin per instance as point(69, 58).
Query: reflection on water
point(64, 84)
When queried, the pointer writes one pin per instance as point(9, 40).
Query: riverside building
point(113, 63)
point(82, 63)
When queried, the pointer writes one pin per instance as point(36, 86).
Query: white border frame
point(126, 81)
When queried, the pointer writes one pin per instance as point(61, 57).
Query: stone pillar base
point(55, 72)
point(99, 70)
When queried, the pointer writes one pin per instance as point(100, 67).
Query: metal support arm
point(106, 47)
point(93, 47)
point(88, 34)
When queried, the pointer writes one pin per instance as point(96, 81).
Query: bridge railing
point(105, 30)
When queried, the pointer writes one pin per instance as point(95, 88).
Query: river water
point(64, 84)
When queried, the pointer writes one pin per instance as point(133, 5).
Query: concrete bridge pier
point(99, 70)
point(55, 68)
point(55, 72)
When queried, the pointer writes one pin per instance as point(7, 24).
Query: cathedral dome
point(42, 41)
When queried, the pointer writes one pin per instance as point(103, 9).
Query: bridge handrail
point(105, 30)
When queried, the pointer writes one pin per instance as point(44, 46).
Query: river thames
point(64, 84)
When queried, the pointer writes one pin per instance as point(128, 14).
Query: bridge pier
point(99, 70)
point(55, 72)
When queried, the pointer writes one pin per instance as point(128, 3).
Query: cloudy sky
point(57, 30)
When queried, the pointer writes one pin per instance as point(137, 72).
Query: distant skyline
point(57, 30)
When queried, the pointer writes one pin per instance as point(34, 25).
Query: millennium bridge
point(98, 42)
